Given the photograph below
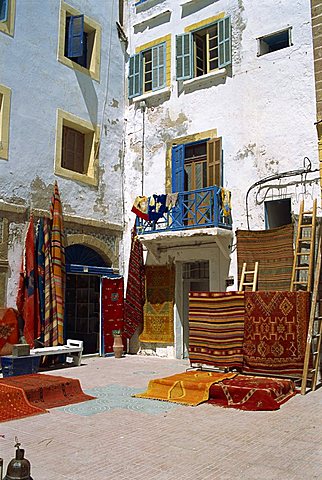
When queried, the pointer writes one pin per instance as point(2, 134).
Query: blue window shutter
point(158, 66)
point(224, 42)
point(178, 168)
point(184, 57)
point(75, 36)
point(135, 75)
point(4, 10)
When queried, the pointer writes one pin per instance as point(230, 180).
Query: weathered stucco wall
point(264, 110)
point(40, 84)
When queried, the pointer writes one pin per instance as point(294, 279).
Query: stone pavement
point(120, 439)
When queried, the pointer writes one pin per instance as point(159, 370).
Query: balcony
point(200, 208)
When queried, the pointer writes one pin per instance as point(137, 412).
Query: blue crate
point(12, 366)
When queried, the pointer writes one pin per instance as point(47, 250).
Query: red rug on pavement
point(15, 405)
point(48, 391)
point(246, 392)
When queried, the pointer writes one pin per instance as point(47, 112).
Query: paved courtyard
point(120, 437)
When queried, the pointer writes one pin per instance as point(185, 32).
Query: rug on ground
point(189, 388)
point(246, 392)
point(15, 405)
point(45, 391)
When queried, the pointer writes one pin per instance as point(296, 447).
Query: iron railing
point(194, 209)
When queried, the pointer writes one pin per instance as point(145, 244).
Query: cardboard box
point(20, 350)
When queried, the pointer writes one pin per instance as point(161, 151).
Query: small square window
point(79, 42)
point(76, 148)
point(278, 213)
point(274, 41)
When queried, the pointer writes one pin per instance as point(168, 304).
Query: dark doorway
point(83, 310)
point(83, 303)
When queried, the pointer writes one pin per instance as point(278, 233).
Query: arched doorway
point(84, 270)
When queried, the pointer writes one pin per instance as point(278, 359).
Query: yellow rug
point(189, 388)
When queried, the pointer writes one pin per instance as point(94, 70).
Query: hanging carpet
point(276, 325)
point(15, 405)
point(216, 328)
point(135, 289)
point(250, 393)
point(273, 249)
point(9, 333)
point(158, 308)
point(112, 310)
point(188, 388)
point(48, 391)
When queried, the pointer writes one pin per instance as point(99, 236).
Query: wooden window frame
point(93, 31)
point(5, 101)
point(8, 26)
point(91, 148)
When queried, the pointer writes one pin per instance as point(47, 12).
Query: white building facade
point(220, 93)
point(61, 119)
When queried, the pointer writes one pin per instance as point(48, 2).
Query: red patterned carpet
point(48, 391)
point(276, 325)
point(246, 392)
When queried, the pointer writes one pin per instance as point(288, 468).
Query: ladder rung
point(300, 283)
point(248, 283)
point(315, 353)
point(316, 335)
point(302, 267)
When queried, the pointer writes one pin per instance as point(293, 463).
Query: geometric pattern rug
point(158, 308)
point(276, 325)
point(252, 393)
point(117, 397)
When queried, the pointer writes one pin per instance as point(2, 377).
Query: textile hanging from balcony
point(216, 328)
point(276, 325)
point(158, 308)
point(135, 289)
point(273, 249)
point(140, 207)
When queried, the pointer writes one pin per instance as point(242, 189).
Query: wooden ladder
point(302, 272)
point(243, 276)
point(314, 334)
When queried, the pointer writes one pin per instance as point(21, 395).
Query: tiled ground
point(119, 439)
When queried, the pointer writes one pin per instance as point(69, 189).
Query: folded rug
point(246, 392)
point(15, 405)
point(48, 391)
point(189, 388)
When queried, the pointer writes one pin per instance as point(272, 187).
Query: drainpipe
point(143, 108)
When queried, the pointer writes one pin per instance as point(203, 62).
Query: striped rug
point(216, 328)
point(273, 249)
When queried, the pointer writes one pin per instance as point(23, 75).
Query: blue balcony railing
point(195, 209)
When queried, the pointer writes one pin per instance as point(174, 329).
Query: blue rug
point(114, 397)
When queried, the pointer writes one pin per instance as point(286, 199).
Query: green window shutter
point(224, 42)
point(4, 10)
point(158, 66)
point(184, 57)
point(135, 76)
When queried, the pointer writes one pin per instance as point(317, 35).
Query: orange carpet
point(188, 388)
point(41, 391)
point(15, 405)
